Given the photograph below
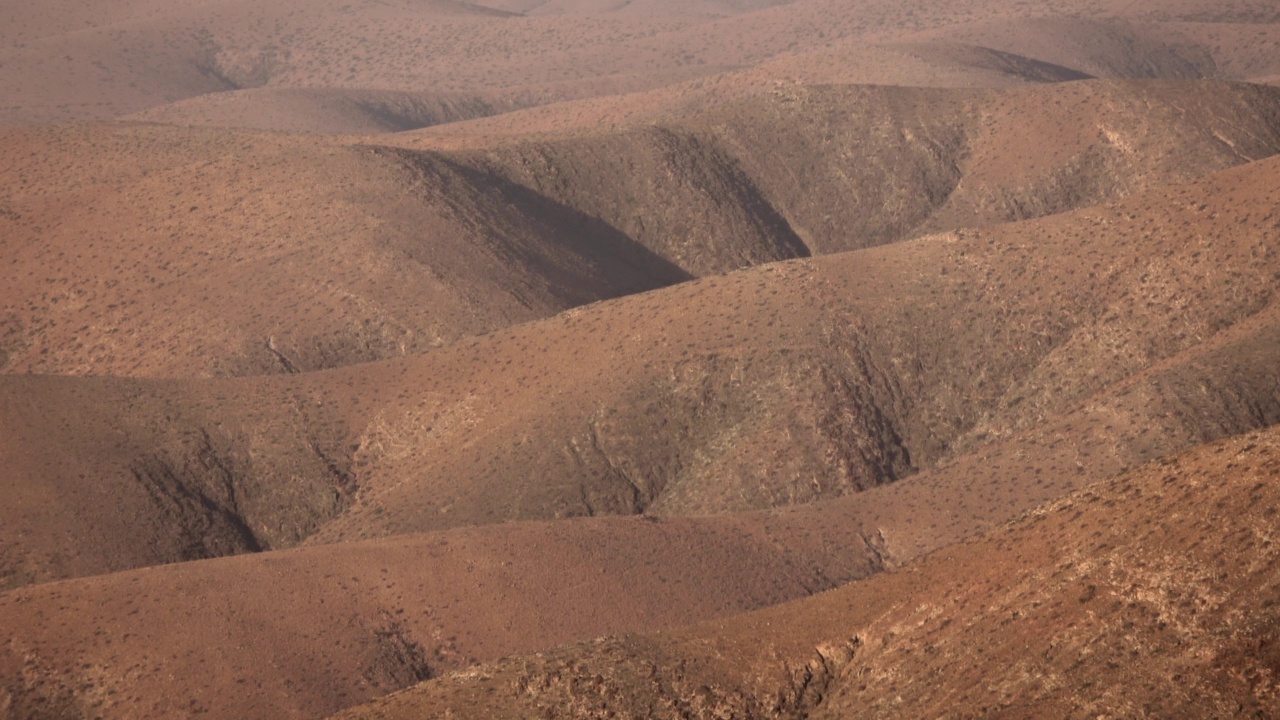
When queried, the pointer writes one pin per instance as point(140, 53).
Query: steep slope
point(306, 633)
point(217, 252)
point(396, 611)
point(776, 386)
point(396, 251)
point(877, 364)
point(1224, 386)
point(851, 167)
point(1244, 51)
point(1007, 156)
point(682, 198)
point(1152, 593)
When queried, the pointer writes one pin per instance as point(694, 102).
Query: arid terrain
point(639, 359)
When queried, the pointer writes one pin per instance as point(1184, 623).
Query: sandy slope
point(60, 65)
point(324, 110)
point(330, 409)
point(305, 633)
point(60, 62)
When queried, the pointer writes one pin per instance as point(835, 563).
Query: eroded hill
point(400, 610)
point(359, 353)
point(1146, 594)
point(775, 386)
point(393, 251)
point(151, 251)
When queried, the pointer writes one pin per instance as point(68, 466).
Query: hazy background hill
point(62, 62)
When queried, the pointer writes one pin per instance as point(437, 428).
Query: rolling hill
point(638, 358)
point(398, 250)
point(400, 610)
point(61, 62)
point(308, 632)
point(1146, 594)
point(852, 167)
point(775, 386)
point(225, 253)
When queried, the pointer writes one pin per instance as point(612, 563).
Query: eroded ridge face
point(799, 350)
point(1047, 615)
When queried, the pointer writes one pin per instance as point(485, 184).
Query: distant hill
point(61, 61)
point(393, 251)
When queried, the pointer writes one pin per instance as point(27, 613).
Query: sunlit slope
point(775, 386)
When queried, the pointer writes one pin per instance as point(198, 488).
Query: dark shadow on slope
point(1034, 70)
point(633, 267)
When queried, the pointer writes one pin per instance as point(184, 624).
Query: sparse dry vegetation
point(589, 358)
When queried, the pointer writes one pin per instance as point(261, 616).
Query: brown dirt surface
point(62, 61)
point(324, 110)
point(305, 633)
point(400, 610)
point(170, 262)
point(639, 358)
point(775, 386)
point(1148, 594)
point(152, 251)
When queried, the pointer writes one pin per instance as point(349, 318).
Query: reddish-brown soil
point(638, 358)
point(220, 252)
point(1151, 594)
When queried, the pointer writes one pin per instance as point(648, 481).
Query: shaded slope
point(396, 251)
point(306, 633)
point(928, 160)
point(1224, 386)
point(396, 611)
point(851, 167)
point(1244, 51)
point(1152, 48)
point(679, 196)
point(154, 475)
point(780, 385)
point(847, 388)
point(1149, 593)
point(1100, 48)
point(217, 252)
